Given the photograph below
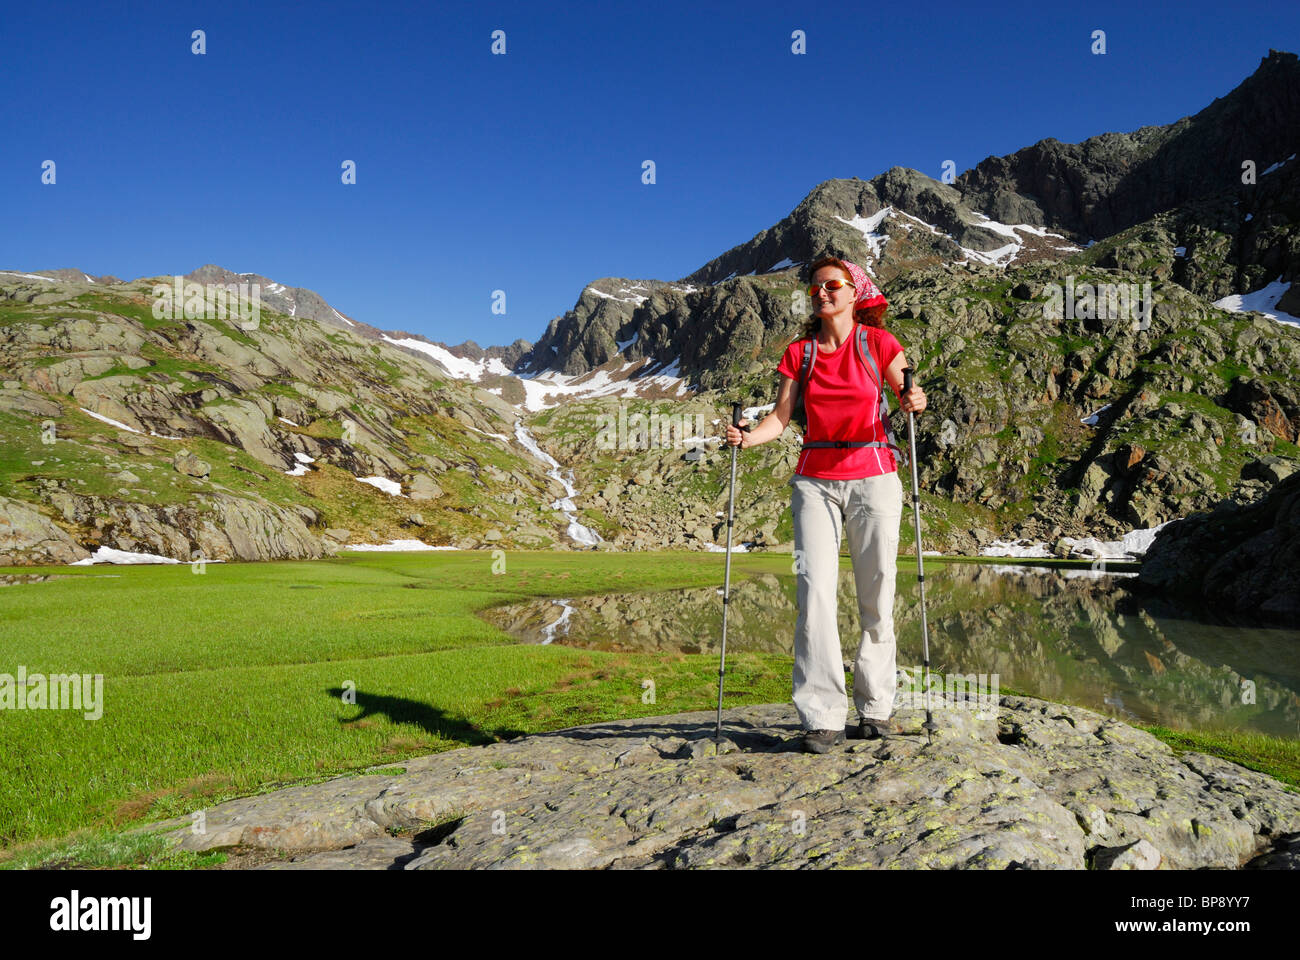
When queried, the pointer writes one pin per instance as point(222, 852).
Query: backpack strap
point(809, 358)
point(869, 363)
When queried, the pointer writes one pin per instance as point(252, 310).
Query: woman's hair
point(871, 316)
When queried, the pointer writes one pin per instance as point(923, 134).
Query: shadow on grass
point(428, 718)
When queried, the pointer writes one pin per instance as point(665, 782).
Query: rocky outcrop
point(242, 423)
point(28, 403)
point(1022, 783)
point(29, 537)
point(214, 526)
point(1243, 560)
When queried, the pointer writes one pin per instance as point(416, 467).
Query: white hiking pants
point(870, 509)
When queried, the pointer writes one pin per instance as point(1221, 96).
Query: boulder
point(29, 403)
point(422, 487)
point(1271, 469)
point(1239, 558)
point(190, 465)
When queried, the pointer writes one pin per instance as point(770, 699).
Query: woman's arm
point(773, 425)
point(914, 401)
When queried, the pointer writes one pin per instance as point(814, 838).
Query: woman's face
point(829, 303)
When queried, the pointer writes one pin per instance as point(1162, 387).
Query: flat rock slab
point(1025, 784)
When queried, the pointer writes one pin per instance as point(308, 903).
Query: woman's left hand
point(913, 401)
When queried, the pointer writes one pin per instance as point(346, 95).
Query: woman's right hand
point(737, 437)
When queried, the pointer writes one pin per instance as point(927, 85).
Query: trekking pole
point(726, 583)
point(929, 726)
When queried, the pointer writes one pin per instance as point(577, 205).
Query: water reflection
point(1076, 639)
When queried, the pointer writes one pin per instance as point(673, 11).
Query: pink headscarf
point(869, 294)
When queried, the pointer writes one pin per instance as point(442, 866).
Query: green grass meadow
point(231, 681)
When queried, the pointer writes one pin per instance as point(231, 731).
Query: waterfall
point(577, 532)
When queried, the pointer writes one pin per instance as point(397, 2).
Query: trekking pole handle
point(736, 409)
point(907, 379)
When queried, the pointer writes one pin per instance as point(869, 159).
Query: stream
point(578, 533)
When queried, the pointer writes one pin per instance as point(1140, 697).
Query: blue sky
point(522, 172)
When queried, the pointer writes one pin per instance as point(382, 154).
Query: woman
point(854, 489)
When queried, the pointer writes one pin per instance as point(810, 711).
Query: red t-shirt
point(842, 402)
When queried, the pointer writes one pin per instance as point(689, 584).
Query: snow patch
point(29, 276)
point(735, 548)
point(497, 436)
point(1262, 301)
point(383, 483)
point(1016, 548)
point(109, 420)
point(303, 459)
point(1092, 418)
point(550, 388)
point(1132, 546)
point(459, 367)
point(113, 555)
point(867, 226)
point(123, 426)
point(638, 300)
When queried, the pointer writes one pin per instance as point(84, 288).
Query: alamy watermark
point(639, 431)
point(75, 913)
point(57, 691)
point(968, 691)
point(1101, 301)
point(185, 299)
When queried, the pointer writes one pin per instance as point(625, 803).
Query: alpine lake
point(1077, 636)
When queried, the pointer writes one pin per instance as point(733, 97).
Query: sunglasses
point(829, 285)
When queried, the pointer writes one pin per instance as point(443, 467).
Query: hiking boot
point(820, 741)
point(874, 729)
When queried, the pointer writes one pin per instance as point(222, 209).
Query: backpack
point(800, 415)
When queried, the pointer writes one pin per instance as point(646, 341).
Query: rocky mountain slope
point(251, 443)
point(1039, 425)
point(197, 438)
